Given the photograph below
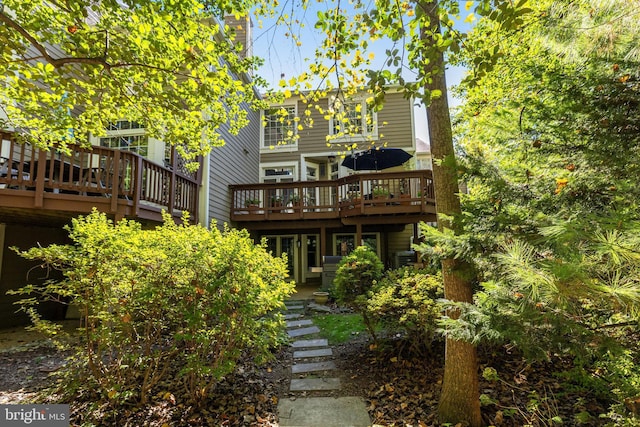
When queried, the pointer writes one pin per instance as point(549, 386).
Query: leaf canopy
point(72, 67)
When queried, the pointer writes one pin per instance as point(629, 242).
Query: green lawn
point(339, 328)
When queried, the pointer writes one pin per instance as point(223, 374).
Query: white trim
point(205, 188)
point(296, 255)
point(305, 272)
point(342, 171)
point(155, 147)
point(279, 147)
point(413, 123)
point(280, 165)
point(365, 135)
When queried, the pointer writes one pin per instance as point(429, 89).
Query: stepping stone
point(292, 316)
point(294, 307)
point(293, 302)
point(303, 331)
point(301, 368)
point(298, 323)
point(320, 352)
point(314, 384)
point(321, 308)
point(310, 343)
point(323, 411)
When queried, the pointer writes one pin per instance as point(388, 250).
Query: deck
point(368, 198)
point(40, 186)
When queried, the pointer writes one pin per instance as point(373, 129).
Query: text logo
point(34, 415)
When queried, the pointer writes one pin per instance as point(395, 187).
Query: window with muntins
point(353, 119)
point(128, 136)
point(279, 126)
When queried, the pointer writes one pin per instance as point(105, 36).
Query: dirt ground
point(400, 389)
point(27, 360)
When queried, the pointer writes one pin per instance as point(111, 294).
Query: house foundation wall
point(16, 272)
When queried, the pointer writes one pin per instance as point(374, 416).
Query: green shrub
point(356, 274)
point(612, 376)
point(153, 301)
point(405, 300)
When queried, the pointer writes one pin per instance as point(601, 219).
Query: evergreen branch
point(609, 22)
point(614, 325)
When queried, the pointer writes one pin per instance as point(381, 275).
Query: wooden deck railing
point(97, 172)
point(360, 194)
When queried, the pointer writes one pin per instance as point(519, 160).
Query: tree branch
point(614, 325)
point(24, 33)
point(61, 6)
point(60, 62)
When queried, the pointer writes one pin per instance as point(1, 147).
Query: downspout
point(204, 217)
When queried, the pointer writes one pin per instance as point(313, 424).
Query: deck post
point(172, 183)
point(323, 244)
point(138, 188)
point(115, 185)
point(38, 201)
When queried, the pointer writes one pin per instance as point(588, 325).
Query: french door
point(279, 245)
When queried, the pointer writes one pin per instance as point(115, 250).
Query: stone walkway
point(314, 371)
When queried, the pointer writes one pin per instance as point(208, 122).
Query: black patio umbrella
point(376, 159)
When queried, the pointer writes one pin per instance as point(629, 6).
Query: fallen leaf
point(169, 397)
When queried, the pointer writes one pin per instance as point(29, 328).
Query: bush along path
point(315, 379)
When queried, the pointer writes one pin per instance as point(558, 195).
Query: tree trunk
point(460, 398)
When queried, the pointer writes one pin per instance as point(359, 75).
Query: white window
point(126, 135)
point(279, 126)
point(278, 173)
point(352, 119)
point(423, 162)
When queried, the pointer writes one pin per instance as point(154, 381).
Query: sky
point(284, 58)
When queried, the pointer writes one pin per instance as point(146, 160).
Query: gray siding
point(236, 162)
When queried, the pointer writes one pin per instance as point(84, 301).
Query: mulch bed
point(400, 389)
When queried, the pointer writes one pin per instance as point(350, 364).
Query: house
point(309, 206)
point(42, 191)
point(125, 174)
point(277, 181)
point(423, 154)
